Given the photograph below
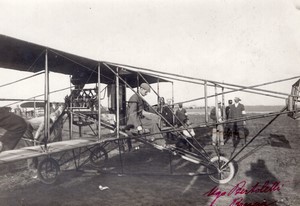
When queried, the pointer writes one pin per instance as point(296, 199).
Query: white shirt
point(220, 114)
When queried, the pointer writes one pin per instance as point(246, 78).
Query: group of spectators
point(140, 118)
point(233, 128)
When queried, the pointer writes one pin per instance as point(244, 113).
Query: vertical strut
point(47, 104)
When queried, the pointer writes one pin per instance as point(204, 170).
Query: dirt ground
point(151, 177)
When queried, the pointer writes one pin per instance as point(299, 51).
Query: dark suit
point(236, 113)
point(181, 116)
point(136, 118)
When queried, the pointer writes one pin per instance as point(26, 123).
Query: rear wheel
point(219, 174)
point(98, 157)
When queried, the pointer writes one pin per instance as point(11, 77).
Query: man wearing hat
point(142, 119)
point(237, 110)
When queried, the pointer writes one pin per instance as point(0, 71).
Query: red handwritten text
point(240, 202)
point(240, 189)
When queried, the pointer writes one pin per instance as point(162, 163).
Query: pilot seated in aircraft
point(142, 120)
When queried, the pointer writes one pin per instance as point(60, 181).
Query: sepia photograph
point(159, 103)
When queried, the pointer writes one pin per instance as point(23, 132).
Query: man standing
point(167, 113)
point(181, 115)
point(237, 110)
point(227, 126)
point(227, 109)
point(218, 130)
point(142, 119)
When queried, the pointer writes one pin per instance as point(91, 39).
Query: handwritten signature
point(240, 189)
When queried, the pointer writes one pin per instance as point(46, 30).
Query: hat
point(145, 87)
point(219, 102)
point(237, 98)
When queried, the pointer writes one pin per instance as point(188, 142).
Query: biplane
point(83, 108)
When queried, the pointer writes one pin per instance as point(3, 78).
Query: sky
point(239, 42)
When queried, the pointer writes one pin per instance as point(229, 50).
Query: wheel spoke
point(98, 156)
point(48, 170)
point(220, 176)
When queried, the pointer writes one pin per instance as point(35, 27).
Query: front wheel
point(217, 173)
point(48, 170)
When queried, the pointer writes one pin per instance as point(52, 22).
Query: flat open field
point(271, 160)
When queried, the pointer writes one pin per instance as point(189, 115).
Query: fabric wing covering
point(25, 56)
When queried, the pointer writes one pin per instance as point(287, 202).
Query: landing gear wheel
point(217, 173)
point(48, 170)
point(98, 157)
